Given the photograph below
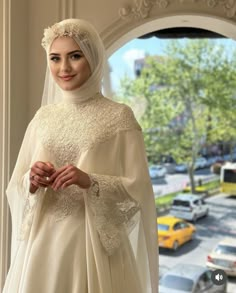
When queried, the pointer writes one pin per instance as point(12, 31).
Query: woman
point(82, 206)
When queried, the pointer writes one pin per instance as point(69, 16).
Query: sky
point(122, 61)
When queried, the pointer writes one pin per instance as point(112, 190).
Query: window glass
point(177, 283)
point(183, 203)
point(225, 249)
point(162, 227)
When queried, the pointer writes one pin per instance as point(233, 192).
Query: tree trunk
point(191, 178)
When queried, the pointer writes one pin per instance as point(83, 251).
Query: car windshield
point(183, 203)
point(163, 227)
point(225, 249)
point(177, 283)
point(155, 167)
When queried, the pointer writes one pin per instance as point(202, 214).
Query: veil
point(93, 49)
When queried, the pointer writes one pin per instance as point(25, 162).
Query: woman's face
point(68, 65)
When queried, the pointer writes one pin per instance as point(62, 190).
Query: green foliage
point(184, 99)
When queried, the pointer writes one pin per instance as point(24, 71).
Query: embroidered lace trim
point(61, 127)
point(61, 204)
point(30, 202)
point(114, 211)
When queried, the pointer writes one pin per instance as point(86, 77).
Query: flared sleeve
point(114, 209)
point(22, 203)
point(124, 199)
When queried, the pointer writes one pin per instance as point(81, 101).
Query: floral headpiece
point(63, 29)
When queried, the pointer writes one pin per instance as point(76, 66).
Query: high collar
point(78, 96)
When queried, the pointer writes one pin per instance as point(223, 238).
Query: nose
point(65, 65)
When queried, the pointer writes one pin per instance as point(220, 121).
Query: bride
point(81, 200)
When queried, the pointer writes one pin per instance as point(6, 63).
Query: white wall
point(22, 59)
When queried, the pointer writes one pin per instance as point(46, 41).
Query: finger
point(37, 184)
point(67, 183)
point(40, 172)
point(60, 180)
point(41, 180)
point(44, 167)
point(50, 165)
point(57, 173)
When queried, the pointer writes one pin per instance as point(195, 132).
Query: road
point(220, 223)
point(177, 182)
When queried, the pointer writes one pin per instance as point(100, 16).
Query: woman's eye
point(55, 58)
point(76, 56)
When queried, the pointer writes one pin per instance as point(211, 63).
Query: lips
point(67, 77)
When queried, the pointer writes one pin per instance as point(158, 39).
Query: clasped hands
point(43, 174)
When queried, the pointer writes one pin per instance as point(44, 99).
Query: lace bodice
point(66, 130)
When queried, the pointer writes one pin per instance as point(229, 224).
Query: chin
point(69, 87)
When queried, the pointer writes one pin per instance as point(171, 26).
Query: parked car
point(173, 232)
point(181, 168)
point(201, 163)
point(223, 257)
point(170, 167)
point(189, 278)
point(169, 163)
point(189, 206)
point(157, 171)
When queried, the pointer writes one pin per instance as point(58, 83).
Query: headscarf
point(90, 43)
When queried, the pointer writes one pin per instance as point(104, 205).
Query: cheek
point(53, 70)
point(87, 72)
point(85, 69)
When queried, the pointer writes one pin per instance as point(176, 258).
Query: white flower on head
point(62, 30)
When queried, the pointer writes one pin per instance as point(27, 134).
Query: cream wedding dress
point(100, 240)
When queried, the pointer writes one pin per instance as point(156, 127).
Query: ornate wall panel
point(143, 15)
point(142, 8)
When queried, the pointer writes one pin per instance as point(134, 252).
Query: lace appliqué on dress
point(78, 128)
point(113, 210)
point(61, 204)
point(30, 202)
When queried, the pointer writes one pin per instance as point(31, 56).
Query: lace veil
point(91, 45)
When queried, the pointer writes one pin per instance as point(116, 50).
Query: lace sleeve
point(114, 210)
point(30, 201)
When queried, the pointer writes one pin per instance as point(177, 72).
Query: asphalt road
point(220, 223)
point(176, 182)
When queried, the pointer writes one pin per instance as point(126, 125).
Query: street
point(178, 181)
point(220, 223)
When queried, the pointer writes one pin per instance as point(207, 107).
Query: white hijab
point(85, 35)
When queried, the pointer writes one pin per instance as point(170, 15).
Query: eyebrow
point(72, 52)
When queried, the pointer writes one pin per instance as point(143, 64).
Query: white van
point(189, 206)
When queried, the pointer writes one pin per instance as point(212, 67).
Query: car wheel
point(193, 236)
point(175, 245)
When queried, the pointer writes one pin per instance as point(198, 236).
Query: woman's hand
point(68, 175)
point(40, 173)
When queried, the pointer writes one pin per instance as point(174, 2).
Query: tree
point(179, 93)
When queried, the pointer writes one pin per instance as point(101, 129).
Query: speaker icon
point(218, 277)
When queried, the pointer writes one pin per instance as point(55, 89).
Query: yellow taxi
point(173, 232)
